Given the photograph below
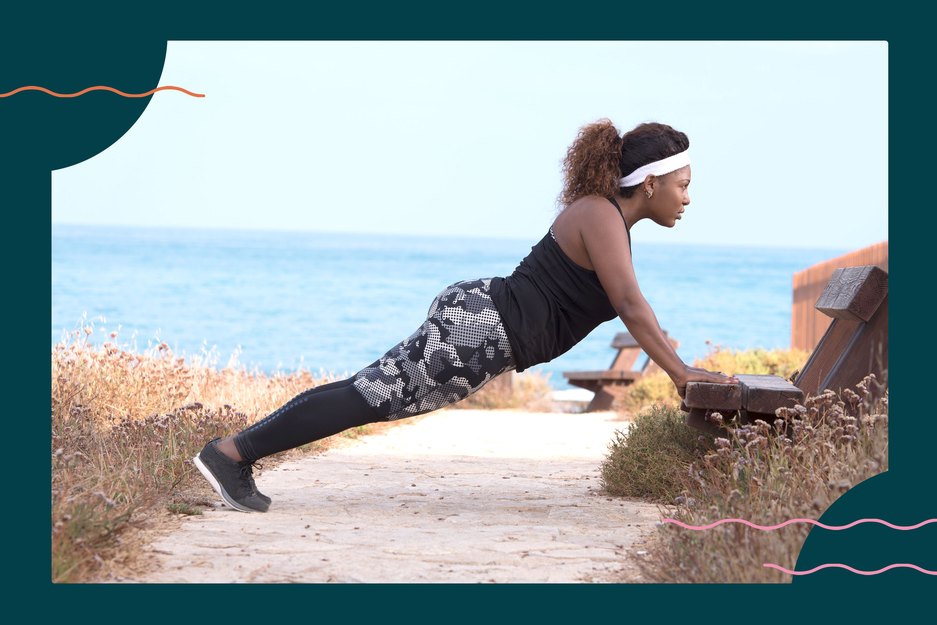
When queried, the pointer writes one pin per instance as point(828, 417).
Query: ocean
point(333, 303)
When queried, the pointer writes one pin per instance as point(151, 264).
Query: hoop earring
point(648, 194)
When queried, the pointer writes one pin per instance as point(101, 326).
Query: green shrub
point(651, 460)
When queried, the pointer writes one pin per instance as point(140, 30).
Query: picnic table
point(620, 373)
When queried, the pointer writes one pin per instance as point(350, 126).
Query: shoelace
point(247, 473)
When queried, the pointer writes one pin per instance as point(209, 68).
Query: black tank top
point(549, 303)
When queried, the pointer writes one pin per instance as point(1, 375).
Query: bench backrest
point(856, 343)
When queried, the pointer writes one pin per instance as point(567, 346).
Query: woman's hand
point(695, 374)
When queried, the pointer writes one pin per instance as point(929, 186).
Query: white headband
point(657, 168)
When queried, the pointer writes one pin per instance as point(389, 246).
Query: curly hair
point(598, 158)
point(591, 164)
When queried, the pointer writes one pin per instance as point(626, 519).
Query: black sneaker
point(233, 480)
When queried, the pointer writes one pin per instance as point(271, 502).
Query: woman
point(578, 276)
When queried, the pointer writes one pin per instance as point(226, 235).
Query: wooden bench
point(855, 344)
point(620, 373)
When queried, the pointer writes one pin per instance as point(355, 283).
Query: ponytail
point(592, 163)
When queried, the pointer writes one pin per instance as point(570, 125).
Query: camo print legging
point(459, 348)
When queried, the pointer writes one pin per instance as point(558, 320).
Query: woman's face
point(671, 196)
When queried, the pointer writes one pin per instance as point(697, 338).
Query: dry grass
point(795, 467)
point(125, 426)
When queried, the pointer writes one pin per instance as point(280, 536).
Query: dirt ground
point(455, 496)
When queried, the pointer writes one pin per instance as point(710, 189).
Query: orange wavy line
point(101, 88)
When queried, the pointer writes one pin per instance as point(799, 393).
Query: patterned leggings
point(458, 349)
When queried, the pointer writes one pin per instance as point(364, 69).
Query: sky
point(788, 140)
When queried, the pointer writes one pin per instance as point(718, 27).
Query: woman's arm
point(606, 242)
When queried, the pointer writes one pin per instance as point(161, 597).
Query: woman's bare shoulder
point(592, 210)
point(573, 216)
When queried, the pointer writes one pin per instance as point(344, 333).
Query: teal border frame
point(68, 48)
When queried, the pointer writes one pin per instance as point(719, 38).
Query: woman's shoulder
point(590, 208)
point(593, 202)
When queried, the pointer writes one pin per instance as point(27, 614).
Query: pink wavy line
point(101, 88)
point(849, 568)
point(791, 521)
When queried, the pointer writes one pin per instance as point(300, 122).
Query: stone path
point(455, 496)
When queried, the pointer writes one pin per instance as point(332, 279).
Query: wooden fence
point(808, 324)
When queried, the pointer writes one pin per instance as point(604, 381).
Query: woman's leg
point(458, 349)
point(312, 415)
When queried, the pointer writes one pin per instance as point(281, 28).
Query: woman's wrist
point(679, 377)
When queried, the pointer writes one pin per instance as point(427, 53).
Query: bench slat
point(766, 393)
point(754, 393)
point(713, 396)
point(604, 375)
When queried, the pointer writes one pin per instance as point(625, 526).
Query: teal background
point(67, 49)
